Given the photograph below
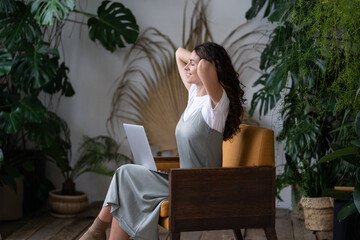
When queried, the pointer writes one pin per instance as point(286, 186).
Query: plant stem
point(74, 21)
point(84, 13)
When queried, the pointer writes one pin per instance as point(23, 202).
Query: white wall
point(93, 73)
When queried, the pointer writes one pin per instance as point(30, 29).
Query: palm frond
point(95, 153)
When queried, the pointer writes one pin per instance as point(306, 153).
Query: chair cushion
point(252, 146)
point(164, 214)
point(164, 209)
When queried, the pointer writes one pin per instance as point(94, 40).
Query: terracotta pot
point(11, 202)
point(318, 213)
point(65, 205)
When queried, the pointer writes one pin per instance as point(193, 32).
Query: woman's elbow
point(204, 66)
point(178, 51)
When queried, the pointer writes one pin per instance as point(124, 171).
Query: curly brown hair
point(229, 80)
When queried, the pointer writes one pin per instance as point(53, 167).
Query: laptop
point(140, 147)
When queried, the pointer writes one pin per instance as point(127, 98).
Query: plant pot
point(11, 202)
point(66, 205)
point(318, 213)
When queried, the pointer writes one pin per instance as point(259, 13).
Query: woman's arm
point(208, 76)
point(182, 58)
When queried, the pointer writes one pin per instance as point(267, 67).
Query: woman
point(212, 115)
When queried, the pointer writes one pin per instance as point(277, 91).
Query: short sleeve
point(216, 117)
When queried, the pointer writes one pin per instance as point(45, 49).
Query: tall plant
point(30, 67)
point(156, 98)
point(350, 154)
point(312, 71)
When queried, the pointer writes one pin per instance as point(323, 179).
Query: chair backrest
point(252, 146)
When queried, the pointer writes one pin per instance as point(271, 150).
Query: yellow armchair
point(241, 194)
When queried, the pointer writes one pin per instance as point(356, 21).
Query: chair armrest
point(221, 197)
point(165, 163)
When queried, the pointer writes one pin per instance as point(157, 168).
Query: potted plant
point(349, 153)
point(94, 154)
point(311, 74)
point(31, 71)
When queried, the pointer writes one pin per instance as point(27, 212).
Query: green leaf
point(33, 109)
point(46, 132)
point(357, 124)
point(14, 121)
point(29, 109)
point(281, 10)
point(7, 6)
point(114, 25)
point(95, 152)
point(349, 151)
point(18, 28)
point(337, 194)
point(356, 142)
point(45, 11)
point(35, 67)
point(276, 80)
point(5, 61)
point(256, 6)
point(60, 82)
point(348, 210)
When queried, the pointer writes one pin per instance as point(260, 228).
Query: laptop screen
point(139, 145)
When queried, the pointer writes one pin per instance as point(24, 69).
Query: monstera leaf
point(7, 6)
point(45, 11)
point(5, 61)
point(18, 27)
point(28, 110)
point(276, 10)
point(35, 67)
point(113, 25)
point(60, 82)
point(47, 131)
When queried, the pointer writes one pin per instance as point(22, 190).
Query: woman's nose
point(186, 67)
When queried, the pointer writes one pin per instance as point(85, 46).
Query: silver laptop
point(140, 147)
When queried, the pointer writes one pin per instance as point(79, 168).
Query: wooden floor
point(43, 226)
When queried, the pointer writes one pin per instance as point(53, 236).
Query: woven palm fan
point(157, 98)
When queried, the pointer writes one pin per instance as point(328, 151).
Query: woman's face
point(191, 69)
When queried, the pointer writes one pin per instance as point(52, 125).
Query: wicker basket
point(67, 206)
point(318, 213)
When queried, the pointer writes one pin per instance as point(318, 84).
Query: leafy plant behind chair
point(157, 98)
point(31, 70)
point(311, 70)
point(351, 155)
